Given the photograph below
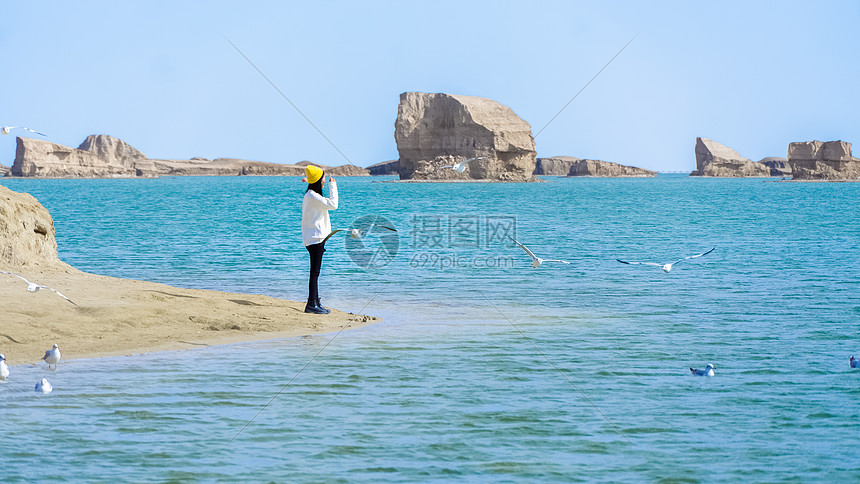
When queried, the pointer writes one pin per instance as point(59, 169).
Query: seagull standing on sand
point(851, 362)
point(33, 287)
point(666, 267)
point(4, 368)
point(461, 167)
point(7, 129)
point(536, 261)
point(43, 386)
point(708, 371)
point(52, 356)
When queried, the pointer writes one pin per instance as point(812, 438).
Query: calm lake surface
point(485, 369)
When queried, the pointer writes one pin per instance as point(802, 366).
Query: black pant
point(316, 252)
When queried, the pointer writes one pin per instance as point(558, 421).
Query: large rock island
point(716, 160)
point(103, 156)
point(816, 160)
point(437, 130)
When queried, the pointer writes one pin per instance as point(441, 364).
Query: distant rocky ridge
point(103, 156)
point(342, 170)
point(716, 160)
point(4, 170)
point(391, 167)
point(816, 160)
point(436, 130)
point(555, 165)
point(778, 166)
point(607, 169)
point(570, 166)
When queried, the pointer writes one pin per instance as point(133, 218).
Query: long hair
point(317, 185)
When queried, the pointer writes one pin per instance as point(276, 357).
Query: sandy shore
point(124, 317)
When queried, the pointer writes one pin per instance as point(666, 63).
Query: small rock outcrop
point(26, 232)
point(436, 130)
point(571, 166)
point(555, 165)
point(607, 169)
point(716, 160)
point(816, 160)
point(391, 167)
point(778, 166)
point(4, 170)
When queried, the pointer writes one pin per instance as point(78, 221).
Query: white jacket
point(315, 221)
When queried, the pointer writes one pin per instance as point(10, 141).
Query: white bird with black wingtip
point(8, 129)
point(461, 166)
point(33, 287)
point(536, 261)
point(666, 267)
point(52, 356)
point(358, 233)
point(708, 371)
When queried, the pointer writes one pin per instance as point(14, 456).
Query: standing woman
point(315, 227)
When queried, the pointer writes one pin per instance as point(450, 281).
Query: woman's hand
point(331, 179)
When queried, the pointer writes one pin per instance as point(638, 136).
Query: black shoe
point(320, 306)
point(312, 308)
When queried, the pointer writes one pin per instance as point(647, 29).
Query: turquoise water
point(485, 370)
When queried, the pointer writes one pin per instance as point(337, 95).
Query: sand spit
point(120, 316)
point(124, 317)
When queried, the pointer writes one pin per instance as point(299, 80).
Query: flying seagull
point(43, 386)
point(356, 233)
point(52, 356)
point(4, 369)
point(851, 362)
point(536, 261)
point(461, 167)
point(7, 129)
point(33, 287)
point(708, 371)
point(666, 267)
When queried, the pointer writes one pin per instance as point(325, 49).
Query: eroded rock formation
point(4, 170)
point(816, 160)
point(607, 169)
point(391, 167)
point(340, 170)
point(26, 232)
point(714, 159)
point(778, 166)
point(103, 156)
point(99, 156)
point(555, 165)
point(435, 130)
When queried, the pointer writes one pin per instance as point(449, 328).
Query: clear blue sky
point(752, 75)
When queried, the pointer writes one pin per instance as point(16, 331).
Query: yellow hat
point(313, 173)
